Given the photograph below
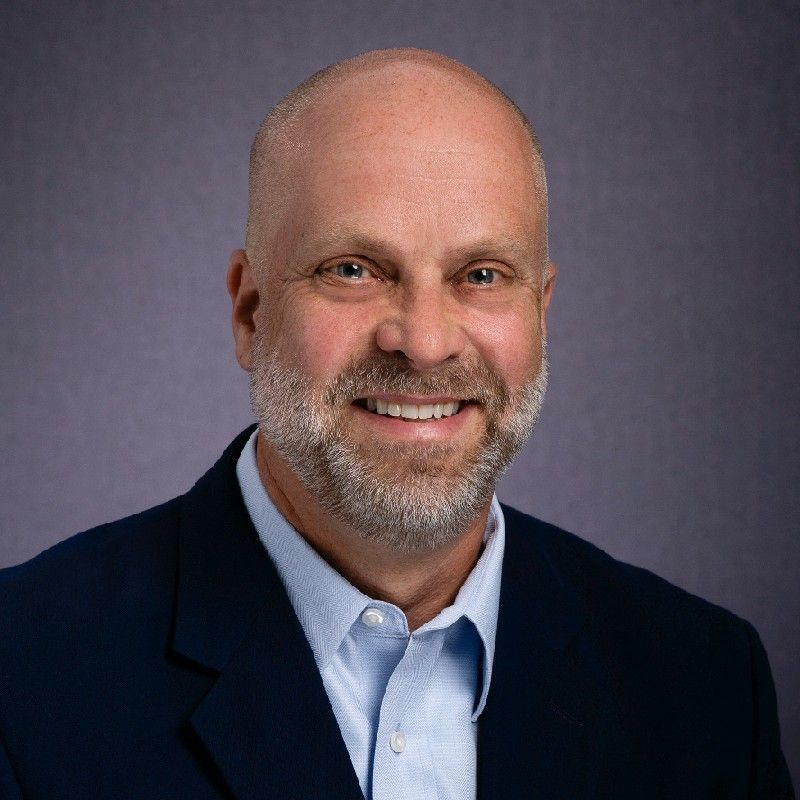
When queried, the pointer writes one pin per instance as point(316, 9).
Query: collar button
point(372, 618)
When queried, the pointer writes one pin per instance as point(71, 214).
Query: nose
point(424, 326)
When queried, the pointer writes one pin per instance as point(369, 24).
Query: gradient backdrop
point(672, 136)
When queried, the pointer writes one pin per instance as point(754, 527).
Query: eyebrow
point(501, 245)
point(351, 240)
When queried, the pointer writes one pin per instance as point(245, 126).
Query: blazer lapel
point(266, 722)
point(549, 714)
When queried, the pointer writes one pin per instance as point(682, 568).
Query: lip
point(432, 430)
point(414, 399)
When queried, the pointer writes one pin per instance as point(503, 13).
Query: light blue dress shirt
point(407, 703)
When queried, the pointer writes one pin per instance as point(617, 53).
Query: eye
point(481, 276)
point(349, 270)
point(349, 273)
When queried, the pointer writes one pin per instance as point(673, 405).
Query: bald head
point(406, 93)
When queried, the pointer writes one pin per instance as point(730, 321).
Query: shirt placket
point(403, 765)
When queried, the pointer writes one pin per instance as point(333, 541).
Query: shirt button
point(372, 617)
point(397, 741)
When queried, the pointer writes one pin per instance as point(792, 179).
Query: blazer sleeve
point(770, 774)
point(9, 788)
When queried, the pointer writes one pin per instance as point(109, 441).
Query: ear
point(243, 290)
point(547, 295)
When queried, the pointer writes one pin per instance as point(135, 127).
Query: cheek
point(318, 339)
point(511, 345)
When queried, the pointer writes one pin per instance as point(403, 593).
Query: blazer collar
point(233, 618)
point(550, 714)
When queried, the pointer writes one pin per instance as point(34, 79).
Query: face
point(397, 361)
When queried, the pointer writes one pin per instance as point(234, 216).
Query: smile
point(411, 411)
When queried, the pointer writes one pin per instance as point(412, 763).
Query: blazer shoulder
point(619, 594)
point(91, 568)
point(677, 663)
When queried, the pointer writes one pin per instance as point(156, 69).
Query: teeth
point(425, 412)
point(411, 411)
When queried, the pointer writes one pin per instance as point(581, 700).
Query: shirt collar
point(327, 604)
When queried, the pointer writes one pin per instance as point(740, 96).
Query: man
point(340, 607)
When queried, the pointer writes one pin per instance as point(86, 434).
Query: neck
point(421, 584)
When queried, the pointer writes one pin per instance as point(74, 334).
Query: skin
point(422, 179)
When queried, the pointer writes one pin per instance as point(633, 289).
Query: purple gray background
point(672, 136)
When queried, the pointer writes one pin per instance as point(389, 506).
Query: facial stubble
point(409, 497)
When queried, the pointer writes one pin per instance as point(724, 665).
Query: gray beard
point(401, 495)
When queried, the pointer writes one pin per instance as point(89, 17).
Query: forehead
point(417, 156)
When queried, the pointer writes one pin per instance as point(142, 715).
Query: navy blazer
point(159, 657)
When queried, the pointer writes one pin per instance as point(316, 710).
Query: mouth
point(430, 410)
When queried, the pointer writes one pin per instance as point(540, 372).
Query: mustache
point(465, 378)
